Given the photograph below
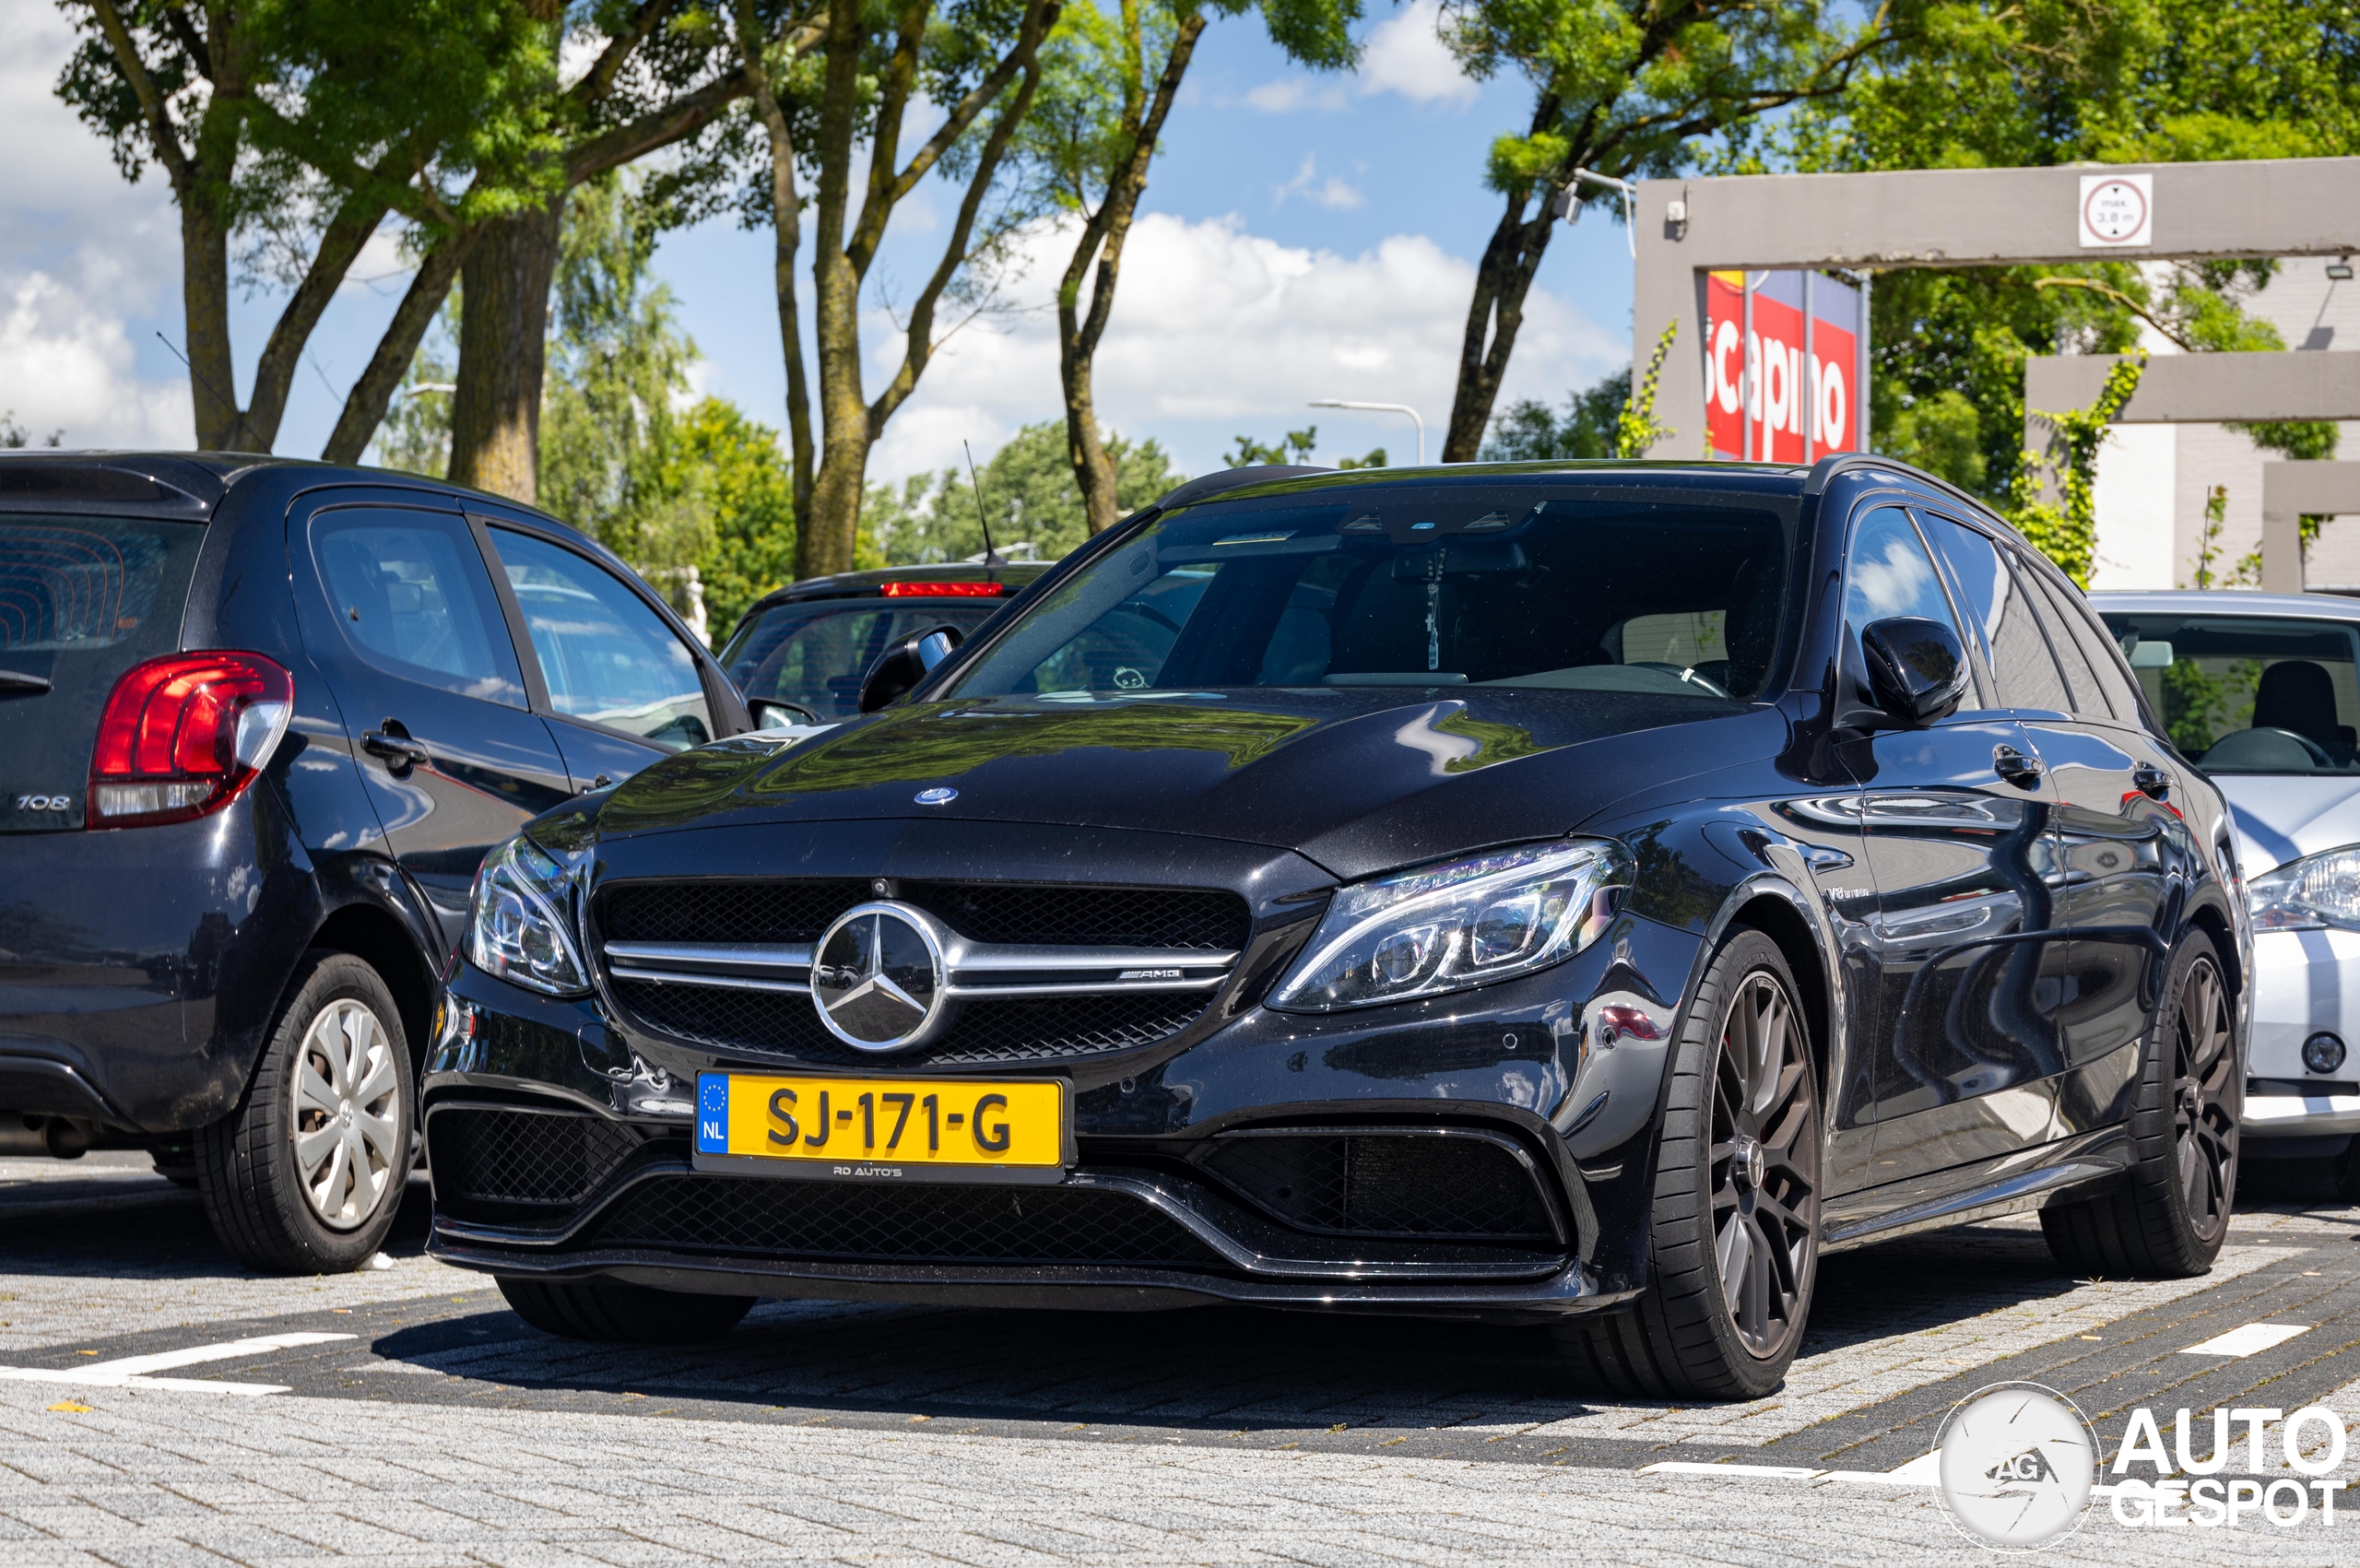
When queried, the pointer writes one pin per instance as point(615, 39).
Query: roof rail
point(1823, 472)
point(1205, 485)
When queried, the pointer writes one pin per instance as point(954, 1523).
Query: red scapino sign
point(1788, 397)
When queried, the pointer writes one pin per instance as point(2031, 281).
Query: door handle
point(2152, 782)
point(2015, 767)
point(397, 751)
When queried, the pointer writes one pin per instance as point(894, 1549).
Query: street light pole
point(1380, 408)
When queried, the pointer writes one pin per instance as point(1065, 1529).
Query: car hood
point(2283, 816)
point(1358, 781)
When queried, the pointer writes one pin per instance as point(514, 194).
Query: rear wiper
point(11, 682)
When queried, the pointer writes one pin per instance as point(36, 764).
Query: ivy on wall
point(2066, 530)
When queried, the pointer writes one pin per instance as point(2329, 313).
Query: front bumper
point(2305, 982)
point(1521, 1063)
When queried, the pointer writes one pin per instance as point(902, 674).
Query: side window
point(2106, 659)
point(2071, 640)
point(608, 658)
point(411, 595)
point(1887, 574)
point(2019, 654)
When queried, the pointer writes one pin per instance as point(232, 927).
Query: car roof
point(2224, 601)
point(184, 483)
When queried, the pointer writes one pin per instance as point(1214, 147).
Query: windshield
point(1414, 585)
point(814, 653)
point(2249, 694)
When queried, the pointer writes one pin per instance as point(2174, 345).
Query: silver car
point(2262, 691)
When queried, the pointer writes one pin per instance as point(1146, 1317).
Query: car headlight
point(1450, 926)
point(2309, 894)
point(516, 925)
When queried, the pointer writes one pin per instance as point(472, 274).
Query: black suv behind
point(259, 722)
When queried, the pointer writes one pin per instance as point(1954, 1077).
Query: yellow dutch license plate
point(861, 1129)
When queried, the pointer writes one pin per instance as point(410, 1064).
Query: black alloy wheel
point(1765, 1166)
point(1734, 1245)
point(2171, 1214)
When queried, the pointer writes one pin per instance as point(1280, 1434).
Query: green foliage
point(1294, 447)
point(1940, 432)
point(1638, 428)
point(2066, 530)
point(2247, 573)
point(728, 471)
point(1030, 494)
point(618, 363)
point(414, 435)
point(1529, 432)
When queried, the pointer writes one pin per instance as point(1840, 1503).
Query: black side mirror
point(1916, 669)
point(902, 666)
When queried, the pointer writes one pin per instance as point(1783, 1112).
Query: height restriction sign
point(1797, 379)
point(2117, 209)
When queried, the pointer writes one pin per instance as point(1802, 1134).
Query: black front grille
point(718, 910)
point(920, 1224)
point(1385, 1184)
point(490, 1156)
point(1109, 917)
point(786, 1023)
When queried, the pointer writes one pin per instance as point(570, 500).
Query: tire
point(1734, 1243)
point(336, 1072)
point(621, 1312)
point(2168, 1220)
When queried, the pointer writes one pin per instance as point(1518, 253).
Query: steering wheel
point(2317, 753)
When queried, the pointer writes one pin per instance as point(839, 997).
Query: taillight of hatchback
point(184, 734)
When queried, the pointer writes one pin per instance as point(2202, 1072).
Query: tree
point(2050, 84)
point(1112, 81)
point(1029, 492)
point(729, 469)
point(975, 62)
point(1529, 432)
point(295, 130)
point(1625, 89)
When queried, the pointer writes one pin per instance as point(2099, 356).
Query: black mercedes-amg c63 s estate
point(1583, 893)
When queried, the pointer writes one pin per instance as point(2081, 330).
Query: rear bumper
point(139, 966)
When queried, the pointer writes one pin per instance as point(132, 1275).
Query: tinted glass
point(2249, 694)
point(1415, 585)
point(606, 658)
point(2059, 618)
point(814, 654)
point(2114, 682)
point(2012, 639)
point(1889, 573)
point(411, 595)
point(82, 599)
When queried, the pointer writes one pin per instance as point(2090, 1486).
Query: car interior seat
point(2298, 695)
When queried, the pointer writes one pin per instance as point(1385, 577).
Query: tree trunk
point(275, 373)
point(204, 313)
point(504, 348)
point(365, 406)
point(1079, 334)
point(1503, 278)
point(786, 232)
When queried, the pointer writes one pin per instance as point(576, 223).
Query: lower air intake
point(490, 1156)
point(1467, 1187)
point(918, 1224)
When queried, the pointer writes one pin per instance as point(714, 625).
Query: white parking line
point(2244, 1342)
point(135, 1371)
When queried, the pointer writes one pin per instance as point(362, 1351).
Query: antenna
point(992, 562)
point(237, 412)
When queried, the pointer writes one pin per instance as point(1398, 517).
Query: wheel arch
point(380, 940)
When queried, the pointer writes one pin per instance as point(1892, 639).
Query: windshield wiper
point(12, 682)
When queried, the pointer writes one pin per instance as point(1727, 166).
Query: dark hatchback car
point(259, 722)
point(1582, 893)
point(799, 653)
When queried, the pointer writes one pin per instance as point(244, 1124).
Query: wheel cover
point(1765, 1166)
point(347, 1135)
point(2204, 1099)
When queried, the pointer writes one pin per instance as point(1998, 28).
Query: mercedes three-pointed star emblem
point(878, 977)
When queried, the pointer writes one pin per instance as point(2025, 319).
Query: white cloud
point(1402, 54)
point(65, 360)
point(1218, 330)
point(1333, 192)
point(1405, 54)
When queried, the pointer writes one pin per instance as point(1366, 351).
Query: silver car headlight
point(1450, 926)
point(517, 927)
point(2310, 894)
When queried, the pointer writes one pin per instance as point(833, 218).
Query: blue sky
point(1303, 236)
